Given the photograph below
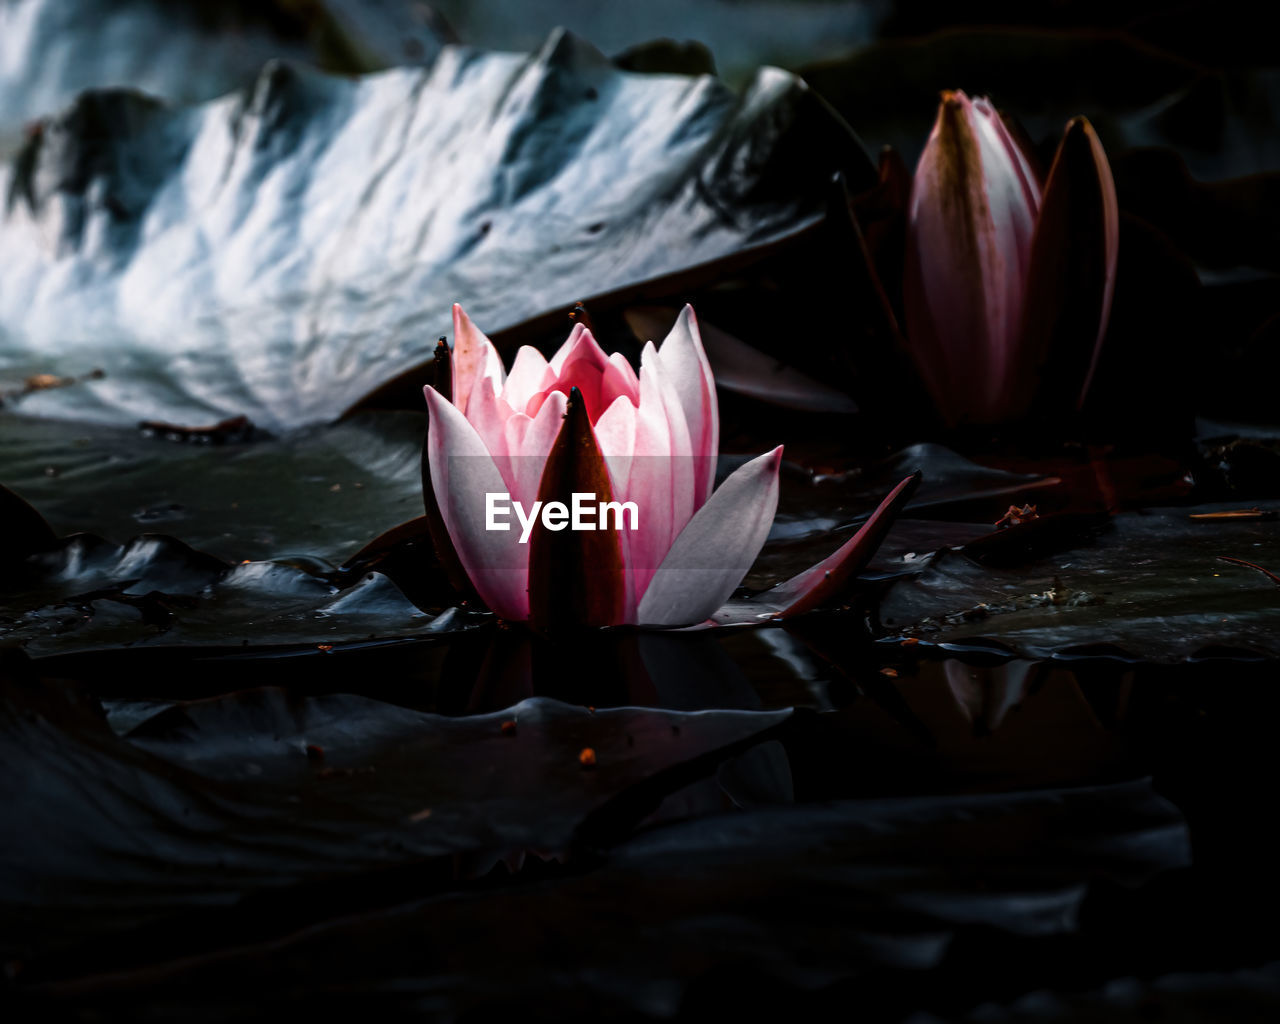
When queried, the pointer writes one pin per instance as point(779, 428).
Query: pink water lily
point(1008, 282)
point(586, 422)
point(585, 419)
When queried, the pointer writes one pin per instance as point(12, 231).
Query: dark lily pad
point(203, 804)
point(767, 909)
point(1252, 992)
point(90, 595)
point(271, 523)
point(957, 501)
point(313, 498)
point(1153, 585)
point(283, 253)
point(318, 495)
point(25, 530)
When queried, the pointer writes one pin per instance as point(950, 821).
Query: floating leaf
point(87, 594)
point(24, 531)
point(319, 494)
point(203, 804)
point(764, 907)
point(1153, 587)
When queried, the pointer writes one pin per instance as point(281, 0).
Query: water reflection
point(681, 671)
point(957, 726)
point(935, 725)
point(891, 719)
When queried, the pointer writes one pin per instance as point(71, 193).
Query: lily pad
point(282, 253)
point(90, 595)
point(957, 501)
point(203, 804)
point(276, 525)
point(315, 495)
point(770, 908)
point(1152, 586)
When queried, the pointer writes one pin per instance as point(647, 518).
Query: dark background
point(289, 791)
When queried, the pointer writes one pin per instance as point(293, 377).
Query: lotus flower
point(586, 422)
point(1008, 285)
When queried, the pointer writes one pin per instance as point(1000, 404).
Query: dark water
point(256, 760)
point(910, 833)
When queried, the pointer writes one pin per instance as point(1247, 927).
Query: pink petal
point(474, 359)
point(662, 473)
point(649, 484)
point(536, 436)
point(684, 470)
point(563, 353)
point(713, 553)
point(999, 145)
point(685, 366)
point(623, 377)
point(530, 375)
point(462, 473)
point(569, 345)
point(823, 581)
point(1071, 276)
point(737, 366)
point(617, 382)
point(584, 368)
point(616, 435)
point(489, 414)
point(515, 429)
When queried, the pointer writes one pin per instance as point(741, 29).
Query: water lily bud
point(1007, 287)
point(970, 223)
point(1073, 271)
